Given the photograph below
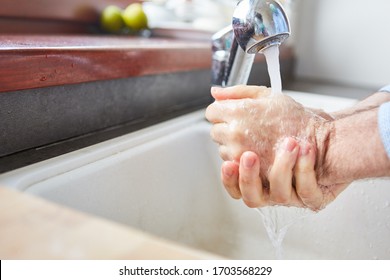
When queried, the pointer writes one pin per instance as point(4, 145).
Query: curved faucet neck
point(256, 25)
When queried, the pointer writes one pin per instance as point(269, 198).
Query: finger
point(225, 153)
point(305, 178)
point(281, 173)
point(238, 92)
point(249, 180)
point(221, 111)
point(230, 152)
point(229, 177)
point(219, 132)
point(213, 113)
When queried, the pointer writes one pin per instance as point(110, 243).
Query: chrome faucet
point(256, 25)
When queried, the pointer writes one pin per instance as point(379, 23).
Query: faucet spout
point(256, 25)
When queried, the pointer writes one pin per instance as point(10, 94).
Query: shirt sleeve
point(384, 122)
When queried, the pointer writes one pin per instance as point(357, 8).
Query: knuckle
point(304, 193)
point(233, 191)
point(223, 154)
point(245, 181)
point(237, 136)
point(208, 113)
point(252, 204)
point(281, 199)
point(213, 133)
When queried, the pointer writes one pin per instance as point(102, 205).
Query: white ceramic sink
point(165, 180)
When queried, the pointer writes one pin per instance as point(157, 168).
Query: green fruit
point(135, 17)
point(111, 19)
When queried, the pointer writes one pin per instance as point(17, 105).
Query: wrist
point(323, 132)
point(354, 150)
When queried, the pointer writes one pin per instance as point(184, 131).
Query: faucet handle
point(259, 24)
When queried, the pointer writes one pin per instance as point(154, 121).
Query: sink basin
point(165, 180)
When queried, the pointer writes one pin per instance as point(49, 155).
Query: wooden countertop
point(34, 61)
point(33, 228)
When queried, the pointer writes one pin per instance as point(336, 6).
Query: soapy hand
point(250, 118)
point(248, 122)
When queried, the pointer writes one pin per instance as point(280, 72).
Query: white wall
point(343, 41)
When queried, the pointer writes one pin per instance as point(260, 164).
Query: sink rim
point(21, 178)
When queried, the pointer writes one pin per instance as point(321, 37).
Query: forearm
point(371, 102)
point(353, 150)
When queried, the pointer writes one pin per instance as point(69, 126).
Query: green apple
point(135, 17)
point(111, 19)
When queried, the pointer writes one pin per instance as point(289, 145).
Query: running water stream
point(272, 58)
point(278, 219)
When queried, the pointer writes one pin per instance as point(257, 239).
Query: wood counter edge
point(33, 228)
point(42, 61)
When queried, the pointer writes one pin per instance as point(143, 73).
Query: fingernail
point(304, 149)
point(306, 157)
point(249, 162)
point(228, 172)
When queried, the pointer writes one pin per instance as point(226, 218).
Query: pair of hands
point(272, 148)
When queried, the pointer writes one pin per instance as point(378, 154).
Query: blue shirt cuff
point(384, 125)
point(385, 89)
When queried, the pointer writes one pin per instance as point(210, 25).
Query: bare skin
point(250, 119)
point(292, 160)
point(289, 175)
